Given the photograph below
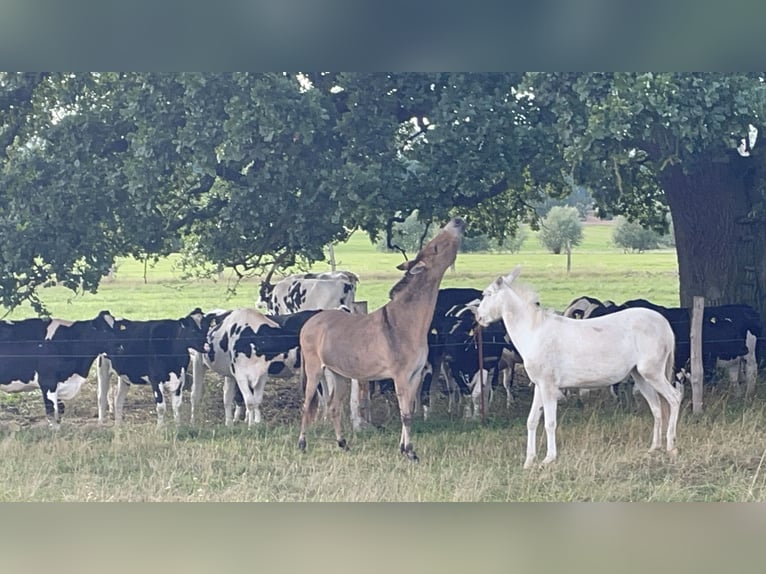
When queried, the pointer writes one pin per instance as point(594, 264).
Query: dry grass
point(602, 447)
point(602, 455)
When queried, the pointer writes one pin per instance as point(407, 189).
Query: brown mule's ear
point(405, 266)
point(417, 268)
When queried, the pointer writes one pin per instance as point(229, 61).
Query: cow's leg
point(229, 388)
point(239, 405)
point(176, 387)
point(119, 399)
point(50, 400)
point(159, 400)
point(258, 388)
point(425, 390)
point(359, 404)
point(243, 383)
point(451, 386)
point(198, 384)
point(103, 374)
point(733, 369)
point(532, 421)
point(364, 403)
point(507, 375)
point(477, 390)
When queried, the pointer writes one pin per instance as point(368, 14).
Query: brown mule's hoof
point(409, 452)
point(342, 444)
point(302, 444)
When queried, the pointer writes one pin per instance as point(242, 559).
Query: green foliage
point(632, 236)
point(253, 171)
point(579, 198)
point(561, 227)
point(411, 234)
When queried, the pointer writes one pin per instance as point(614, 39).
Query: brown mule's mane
point(400, 285)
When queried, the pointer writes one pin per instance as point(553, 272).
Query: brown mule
point(389, 343)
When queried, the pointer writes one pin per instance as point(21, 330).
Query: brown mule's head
point(435, 257)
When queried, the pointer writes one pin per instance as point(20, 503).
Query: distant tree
point(632, 236)
point(561, 226)
point(579, 198)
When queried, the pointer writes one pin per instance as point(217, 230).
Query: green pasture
point(602, 445)
point(598, 269)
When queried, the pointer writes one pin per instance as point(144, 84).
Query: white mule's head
point(492, 302)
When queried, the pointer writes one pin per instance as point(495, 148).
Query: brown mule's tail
point(311, 408)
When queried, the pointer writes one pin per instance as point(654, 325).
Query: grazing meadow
point(602, 442)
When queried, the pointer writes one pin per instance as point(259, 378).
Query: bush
point(562, 225)
point(632, 236)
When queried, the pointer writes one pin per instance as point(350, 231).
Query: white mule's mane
point(531, 298)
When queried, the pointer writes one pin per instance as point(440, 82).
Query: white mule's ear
point(512, 275)
point(499, 282)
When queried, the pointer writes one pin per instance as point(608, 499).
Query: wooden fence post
point(695, 339)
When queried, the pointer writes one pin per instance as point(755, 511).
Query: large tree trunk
point(720, 241)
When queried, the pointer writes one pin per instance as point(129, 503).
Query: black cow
point(453, 352)
point(52, 355)
point(246, 347)
point(154, 352)
point(724, 330)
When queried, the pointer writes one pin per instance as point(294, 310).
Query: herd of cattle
point(246, 347)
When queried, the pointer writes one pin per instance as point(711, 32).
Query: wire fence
point(41, 348)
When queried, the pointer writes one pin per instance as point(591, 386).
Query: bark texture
point(720, 231)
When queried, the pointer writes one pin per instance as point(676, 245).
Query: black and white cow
point(583, 307)
point(53, 355)
point(724, 330)
point(155, 353)
point(246, 347)
point(731, 336)
point(453, 351)
point(311, 291)
point(328, 290)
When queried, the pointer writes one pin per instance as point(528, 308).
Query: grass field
point(602, 446)
point(598, 269)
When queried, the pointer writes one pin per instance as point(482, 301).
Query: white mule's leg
point(550, 407)
point(532, 421)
